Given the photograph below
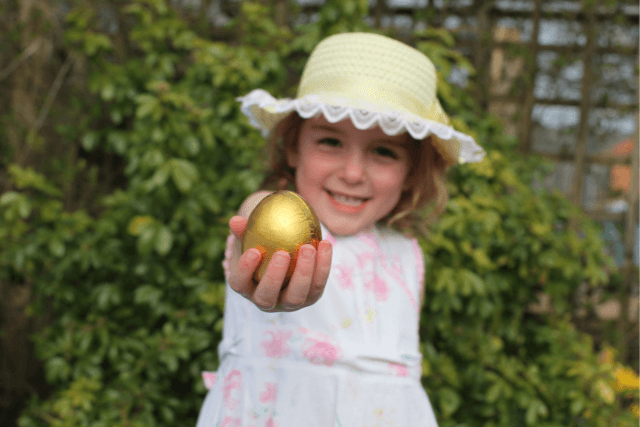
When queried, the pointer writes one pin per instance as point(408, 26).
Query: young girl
point(366, 144)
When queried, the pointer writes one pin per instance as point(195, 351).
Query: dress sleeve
point(419, 256)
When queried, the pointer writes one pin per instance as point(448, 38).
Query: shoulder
point(251, 202)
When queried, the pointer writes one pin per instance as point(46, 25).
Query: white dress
point(350, 360)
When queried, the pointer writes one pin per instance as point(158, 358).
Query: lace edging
point(264, 111)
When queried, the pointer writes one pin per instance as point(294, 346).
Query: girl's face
point(335, 159)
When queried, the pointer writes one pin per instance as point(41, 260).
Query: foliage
point(137, 289)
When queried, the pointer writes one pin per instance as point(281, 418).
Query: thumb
point(238, 224)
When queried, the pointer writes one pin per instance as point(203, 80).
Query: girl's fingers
point(240, 280)
point(296, 293)
point(237, 225)
point(322, 270)
point(266, 294)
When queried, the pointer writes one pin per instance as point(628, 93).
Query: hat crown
point(372, 68)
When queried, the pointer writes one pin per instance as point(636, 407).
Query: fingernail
point(253, 257)
point(307, 253)
point(327, 250)
point(280, 260)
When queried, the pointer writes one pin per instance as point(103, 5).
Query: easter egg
point(281, 221)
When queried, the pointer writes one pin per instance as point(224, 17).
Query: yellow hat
point(373, 80)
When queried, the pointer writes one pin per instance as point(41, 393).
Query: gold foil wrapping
point(281, 221)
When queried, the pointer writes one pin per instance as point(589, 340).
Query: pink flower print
point(396, 272)
point(209, 379)
point(232, 382)
point(364, 257)
point(345, 274)
point(369, 239)
point(231, 422)
point(378, 286)
point(321, 352)
point(270, 423)
point(399, 369)
point(395, 264)
point(277, 347)
point(270, 393)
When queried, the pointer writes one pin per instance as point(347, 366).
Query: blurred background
point(561, 76)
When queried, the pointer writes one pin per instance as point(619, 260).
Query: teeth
point(350, 201)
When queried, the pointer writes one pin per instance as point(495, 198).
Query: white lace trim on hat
point(264, 111)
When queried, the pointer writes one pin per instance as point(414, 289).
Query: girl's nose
point(353, 168)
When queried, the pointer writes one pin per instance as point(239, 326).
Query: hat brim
point(265, 112)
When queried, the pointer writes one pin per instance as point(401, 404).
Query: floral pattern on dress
point(270, 423)
point(398, 369)
point(277, 346)
point(372, 274)
point(231, 389)
point(395, 271)
point(321, 352)
point(270, 393)
point(374, 283)
point(365, 258)
point(231, 422)
point(345, 276)
point(209, 379)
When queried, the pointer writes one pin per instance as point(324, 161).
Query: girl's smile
point(352, 178)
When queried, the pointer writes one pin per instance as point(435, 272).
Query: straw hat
point(373, 80)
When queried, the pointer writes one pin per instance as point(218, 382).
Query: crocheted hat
point(373, 80)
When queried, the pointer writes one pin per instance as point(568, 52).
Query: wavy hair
point(419, 207)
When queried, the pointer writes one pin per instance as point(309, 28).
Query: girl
point(366, 144)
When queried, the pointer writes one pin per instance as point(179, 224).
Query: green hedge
point(137, 286)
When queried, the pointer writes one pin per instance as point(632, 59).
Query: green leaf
point(184, 174)
point(117, 141)
point(207, 136)
point(108, 91)
point(147, 294)
point(164, 240)
point(24, 207)
point(57, 369)
point(449, 401)
point(445, 281)
point(535, 409)
point(494, 392)
point(146, 240)
point(56, 247)
point(209, 201)
point(192, 145)
point(9, 197)
point(146, 105)
point(107, 295)
point(159, 178)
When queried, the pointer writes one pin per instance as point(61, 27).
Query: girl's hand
point(307, 282)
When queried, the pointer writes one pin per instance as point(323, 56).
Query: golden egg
point(281, 221)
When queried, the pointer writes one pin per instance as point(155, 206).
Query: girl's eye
point(330, 141)
point(386, 152)
point(383, 151)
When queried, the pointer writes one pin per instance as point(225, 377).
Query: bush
point(135, 282)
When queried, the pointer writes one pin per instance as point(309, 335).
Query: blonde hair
point(418, 207)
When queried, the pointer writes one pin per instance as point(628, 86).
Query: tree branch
point(30, 50)
point(55, 87)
